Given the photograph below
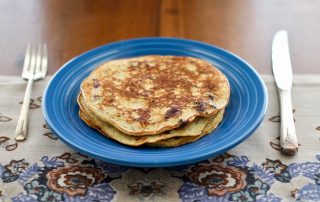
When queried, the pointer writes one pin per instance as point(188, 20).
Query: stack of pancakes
point(161, 101)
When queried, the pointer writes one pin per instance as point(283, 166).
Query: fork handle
point(288, 138)
point(22, 126)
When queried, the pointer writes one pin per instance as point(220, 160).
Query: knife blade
point(282, 71)
point(281, 62)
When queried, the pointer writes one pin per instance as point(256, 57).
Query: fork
point(34, 68)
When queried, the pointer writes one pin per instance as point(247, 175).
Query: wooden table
point(245, 27)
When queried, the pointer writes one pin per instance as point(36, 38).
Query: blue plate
point(244, 113)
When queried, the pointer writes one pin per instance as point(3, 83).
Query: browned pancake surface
point(151, 94)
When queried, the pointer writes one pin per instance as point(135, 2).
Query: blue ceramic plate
point(244, 113)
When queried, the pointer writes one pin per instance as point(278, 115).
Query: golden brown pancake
point(182, 135)
point(152, 94)
point(177, 141)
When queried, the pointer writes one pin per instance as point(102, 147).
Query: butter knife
point(282, 71)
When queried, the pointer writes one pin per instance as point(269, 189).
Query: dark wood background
point(245, 27)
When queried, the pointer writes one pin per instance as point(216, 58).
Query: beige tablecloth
point(45, 169)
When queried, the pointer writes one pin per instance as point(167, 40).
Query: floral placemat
point(45, 169)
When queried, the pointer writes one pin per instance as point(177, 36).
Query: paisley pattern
point(7, 143)
point(228, 177)
point(49, 134)
point(34, 103)
point(4, 118)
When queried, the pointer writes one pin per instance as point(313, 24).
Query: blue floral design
point(260, 173)
point(24, 198)
point(30, 172)
point(52, 163)
point(51, 196)
point(238, 162)
point(42, 192)
point(310, 192)
point(242, 196)
point(307, 169)
point(100, 192)
point(190, 192)
point(251, 192)
point(284, 177)
point(268, 198)
point(8, 177)
point(35, 188)
point(258, 188)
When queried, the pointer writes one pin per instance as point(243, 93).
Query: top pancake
point(151, 94)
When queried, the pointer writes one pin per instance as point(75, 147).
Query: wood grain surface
point(245, 27)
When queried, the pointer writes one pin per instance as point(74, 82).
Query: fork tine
point(44, 63)
point(38, 60)
point(26, 61)
point(33, 60)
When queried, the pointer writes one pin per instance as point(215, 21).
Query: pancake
point(193, 129)
point(170, 142)
point(177, 141)
point(152, 94)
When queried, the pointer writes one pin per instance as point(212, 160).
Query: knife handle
point(288, 138)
